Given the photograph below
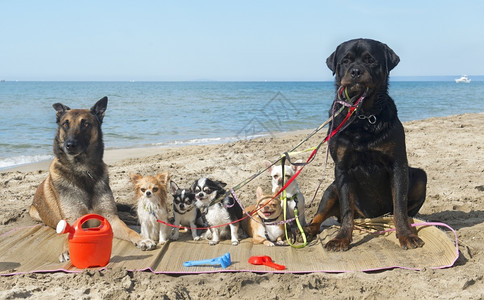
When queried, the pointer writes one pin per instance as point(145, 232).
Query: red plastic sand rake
point(266, 261)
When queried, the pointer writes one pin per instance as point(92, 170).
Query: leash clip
point(371, 118)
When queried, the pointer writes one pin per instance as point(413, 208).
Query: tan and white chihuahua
point(151, 205)
point(263, 227)
point(293, 193)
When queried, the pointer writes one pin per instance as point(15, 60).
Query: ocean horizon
point(178, 113)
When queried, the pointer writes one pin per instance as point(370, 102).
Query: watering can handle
point(85, 218)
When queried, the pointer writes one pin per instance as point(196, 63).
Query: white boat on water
point(463, 79)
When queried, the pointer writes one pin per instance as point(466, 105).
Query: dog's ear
point(173, 187)
point(194, 186)
point(135, 177)
point(391, 58)
point(268, 166)
point(100, 108)
point(332, 60)
point(163, 178)
point(61, 110)
point(220, 183)
point(259, 193)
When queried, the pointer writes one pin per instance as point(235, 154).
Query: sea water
point(158, 114)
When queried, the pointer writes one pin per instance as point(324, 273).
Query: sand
point(450, 150)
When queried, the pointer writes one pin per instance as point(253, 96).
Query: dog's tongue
point(267, 214)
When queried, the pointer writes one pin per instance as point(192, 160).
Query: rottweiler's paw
point(410, 241)
point(146, 244)
point(338, 244)
point(310, 233)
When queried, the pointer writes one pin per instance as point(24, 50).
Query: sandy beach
point(449, 149)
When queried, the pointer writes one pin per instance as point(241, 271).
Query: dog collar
point(150, 210)
point(269, 220)
point(182, 213)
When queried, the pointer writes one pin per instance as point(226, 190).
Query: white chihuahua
point(293, 193)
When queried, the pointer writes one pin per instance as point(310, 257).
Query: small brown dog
point(78, 181)
point(261, 227)
point(151, 204)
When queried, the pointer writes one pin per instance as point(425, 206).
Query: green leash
point(284, 206)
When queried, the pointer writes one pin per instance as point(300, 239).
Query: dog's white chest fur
point(148, 213)
point(187, 218)
point(271, 232)
point(217, 215)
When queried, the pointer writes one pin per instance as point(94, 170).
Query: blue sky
point(230, 40)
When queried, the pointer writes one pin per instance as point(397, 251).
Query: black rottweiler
point(372, 176)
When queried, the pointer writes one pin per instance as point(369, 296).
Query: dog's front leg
point(64, 256)
point(123, 232)
point(164, 232)
point(195, 235)
point(234, 229)
point(301, 207)
point(346, 201)
point(329, 206)
point(176, 230)
point(215, 236)
point(406, 237)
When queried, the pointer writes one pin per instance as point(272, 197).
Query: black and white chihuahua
point(184, 211)
point(219, 213)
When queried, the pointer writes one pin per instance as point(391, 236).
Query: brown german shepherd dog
point(78, 181)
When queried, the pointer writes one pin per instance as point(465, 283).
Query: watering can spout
point(64, 227)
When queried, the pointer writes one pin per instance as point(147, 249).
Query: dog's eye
point(369, 59)
point(66, 124)
point(155, 189)
point(197, 189)
point(207, 190)
point(85, 124)
point(143, 190)
point(346, 60)
point(276, 176)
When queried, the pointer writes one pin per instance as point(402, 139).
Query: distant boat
point(3, 80)
point(463, 79)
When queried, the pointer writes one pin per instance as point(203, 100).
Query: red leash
point(351, 110)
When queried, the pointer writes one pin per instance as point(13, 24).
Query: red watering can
point(88, 247)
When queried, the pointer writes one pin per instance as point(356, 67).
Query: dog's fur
point(293, 192)
point(260, 226)
point(224, 212)
point(185, 211)
point(151, 205)
point(372, 176)
point(78, 181)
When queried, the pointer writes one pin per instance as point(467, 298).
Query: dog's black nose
point(356, 73)
point(71, 144)
point(148, 193)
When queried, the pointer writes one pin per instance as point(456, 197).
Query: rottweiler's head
point(362, 63)
point(79, 129)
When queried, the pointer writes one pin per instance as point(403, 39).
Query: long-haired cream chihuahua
point(151, 205)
